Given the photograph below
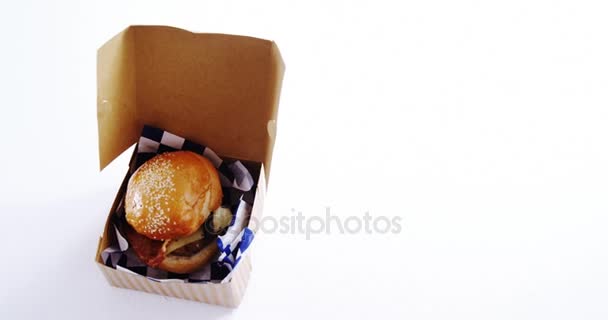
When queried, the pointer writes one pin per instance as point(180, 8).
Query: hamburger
point(173, 211)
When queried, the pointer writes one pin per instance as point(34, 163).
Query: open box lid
point(218, 90)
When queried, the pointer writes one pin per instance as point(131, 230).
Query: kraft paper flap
point(191, 84)
point(116, 105)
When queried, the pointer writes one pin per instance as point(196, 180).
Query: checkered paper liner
point(238, 187)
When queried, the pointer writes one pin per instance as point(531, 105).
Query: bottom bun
point(181, 264)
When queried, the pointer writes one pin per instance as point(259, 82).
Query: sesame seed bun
point(172, 194)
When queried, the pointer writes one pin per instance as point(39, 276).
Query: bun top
point(172, 194)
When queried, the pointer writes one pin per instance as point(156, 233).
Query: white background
point(481, 124)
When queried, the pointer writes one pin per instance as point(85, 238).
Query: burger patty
point(191, 248)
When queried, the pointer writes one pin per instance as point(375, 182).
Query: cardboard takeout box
point(218, 90)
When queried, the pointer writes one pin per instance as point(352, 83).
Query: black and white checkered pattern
point(238, 187)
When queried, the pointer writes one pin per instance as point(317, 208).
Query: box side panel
point(215, 89)
point(277, 70)
point(104, 271)
point(240, 280)
point(257, 212)
point(116, 97)
point(229, 294)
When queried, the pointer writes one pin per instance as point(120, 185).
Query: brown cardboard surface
point(118, 127)
point(227, 294)
point(219, 90)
